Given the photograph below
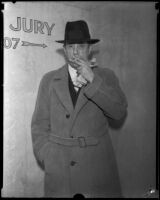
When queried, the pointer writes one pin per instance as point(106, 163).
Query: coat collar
point(61, 87)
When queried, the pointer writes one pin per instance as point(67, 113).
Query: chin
point(72, 65)
point(75, 67)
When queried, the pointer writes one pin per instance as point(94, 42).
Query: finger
point(79, 70)
point(93, 65)
point(82, 79)
point(72, 60)
point(74, 64)
point(93, 60)
point(82, 82)
point(80, 61)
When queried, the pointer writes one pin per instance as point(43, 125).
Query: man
point(70, 122)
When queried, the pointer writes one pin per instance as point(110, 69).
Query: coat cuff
point(91, 88)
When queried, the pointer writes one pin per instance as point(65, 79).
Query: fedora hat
point(77, 32)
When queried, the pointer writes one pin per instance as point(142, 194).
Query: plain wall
point(128, 46)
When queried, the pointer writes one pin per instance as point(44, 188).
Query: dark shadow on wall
point(61, 52)
point(117, 124)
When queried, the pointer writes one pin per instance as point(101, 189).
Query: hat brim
point(90, 41)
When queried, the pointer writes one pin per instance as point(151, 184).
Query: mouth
point(73, 63)
point(73, 59)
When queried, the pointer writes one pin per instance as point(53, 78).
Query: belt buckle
point(82, 142)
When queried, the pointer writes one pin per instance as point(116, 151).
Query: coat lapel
point(81, 101)
point(62, 89)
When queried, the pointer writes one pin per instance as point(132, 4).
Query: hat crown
point(77, 32)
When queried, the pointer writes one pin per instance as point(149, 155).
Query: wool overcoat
point(86, 169)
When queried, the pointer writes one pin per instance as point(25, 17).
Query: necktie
point(74, 94)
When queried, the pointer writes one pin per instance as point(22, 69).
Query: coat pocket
point(52, 159)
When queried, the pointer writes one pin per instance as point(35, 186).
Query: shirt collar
point(72, 72)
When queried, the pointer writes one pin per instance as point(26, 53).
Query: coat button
point(67, 115)
point(72, 163)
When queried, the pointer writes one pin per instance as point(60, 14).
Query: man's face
point(77, 50)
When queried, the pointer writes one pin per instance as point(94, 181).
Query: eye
point(82, 45)
point(70, 46)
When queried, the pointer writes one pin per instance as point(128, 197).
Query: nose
point(75, 49)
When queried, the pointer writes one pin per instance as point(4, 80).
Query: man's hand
point(84, 68)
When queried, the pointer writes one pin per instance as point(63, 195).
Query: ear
point(89, 49)
point(64, 48)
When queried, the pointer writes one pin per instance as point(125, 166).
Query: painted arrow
point(25, 43)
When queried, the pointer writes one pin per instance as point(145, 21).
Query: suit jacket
point(92, 170)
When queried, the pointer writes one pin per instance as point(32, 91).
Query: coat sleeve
point(40, 124)
point(106, 93)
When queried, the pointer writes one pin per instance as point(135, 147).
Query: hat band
point(69, 41)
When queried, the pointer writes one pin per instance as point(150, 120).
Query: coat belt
point(77, 141)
